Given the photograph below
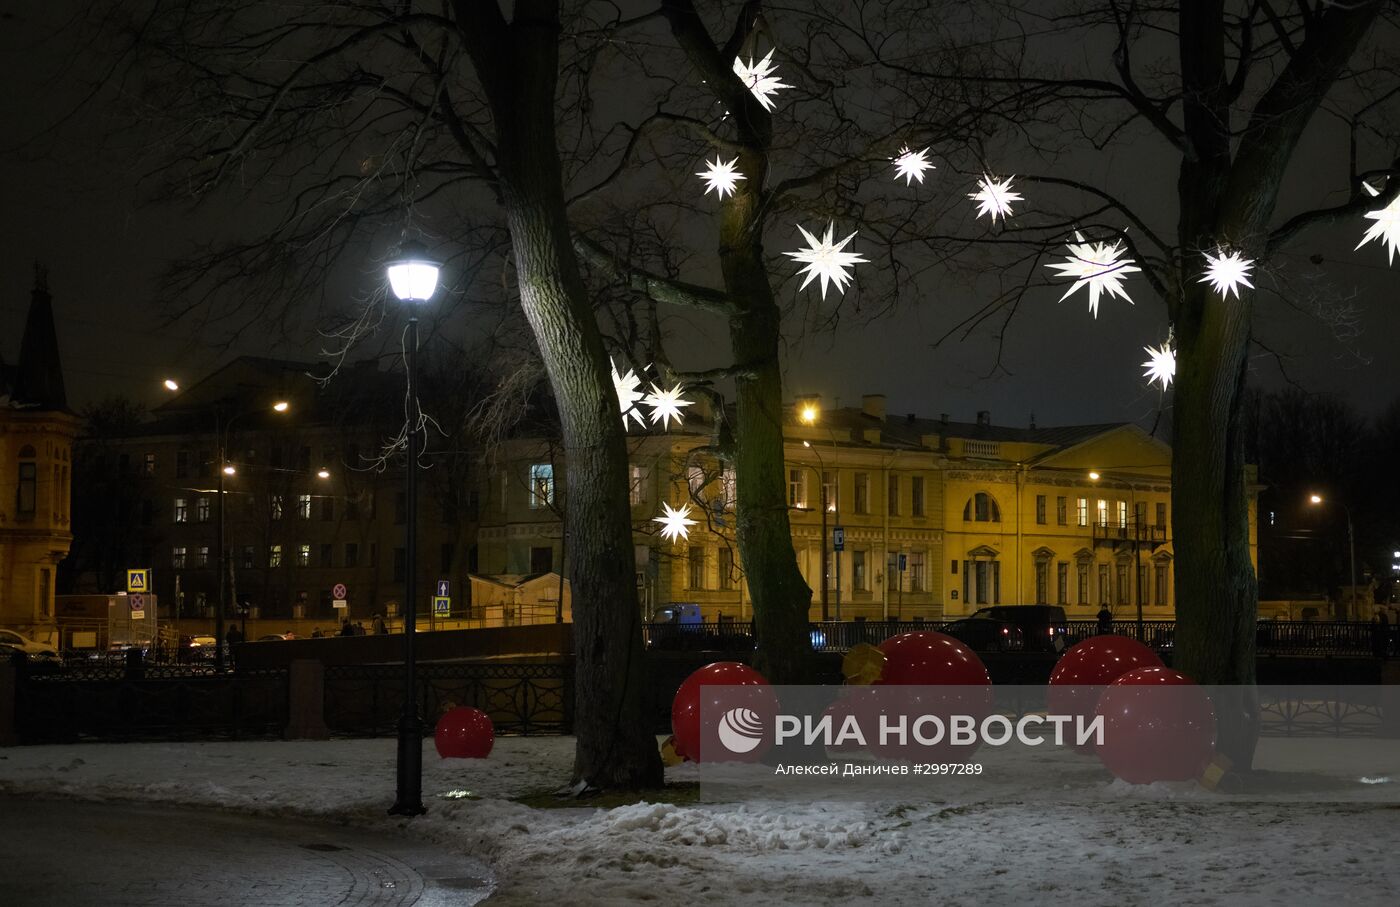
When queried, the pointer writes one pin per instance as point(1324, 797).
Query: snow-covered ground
point(1079, 838)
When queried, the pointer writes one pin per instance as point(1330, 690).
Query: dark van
point(1044, 627)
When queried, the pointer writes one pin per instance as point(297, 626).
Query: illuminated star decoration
point(910, 165)
point(675, 522)
point(994, 197)
point(760, 78)
point(824, 259)
point(1386, 227)
point(666, 405)
point(628, 395)
point(720, 176)
point(1227, 272)
point(1097, 265)
point(1160, 368)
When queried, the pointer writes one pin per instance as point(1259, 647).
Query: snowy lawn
point(1079, 838)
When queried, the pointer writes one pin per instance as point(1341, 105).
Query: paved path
point(76, 853)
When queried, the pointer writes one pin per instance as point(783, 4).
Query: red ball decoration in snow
point(1158, 726)
point(741, 705)
point(931, 659)
point(1085, 671)
point(464, 733)
point(926, 660)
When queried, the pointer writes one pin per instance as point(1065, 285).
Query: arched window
point(26, 495)
point(981, 508)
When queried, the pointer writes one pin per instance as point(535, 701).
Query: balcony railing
point(1131, 531)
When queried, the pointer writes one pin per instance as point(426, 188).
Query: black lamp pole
point(409, 798)
point(413, 277)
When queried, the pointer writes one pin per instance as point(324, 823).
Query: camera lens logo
point(741, 730)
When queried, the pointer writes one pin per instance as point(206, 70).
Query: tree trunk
point(781, 598)
point(1216, 591)
point(518, 66)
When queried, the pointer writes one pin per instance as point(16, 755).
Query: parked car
point(1044, 627)
point(982, 633)
point(25, 644)
point(44, 661)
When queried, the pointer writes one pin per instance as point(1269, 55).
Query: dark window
point(400, 564)
point(1061, 511)
point(26, 498)
point(204, 460)
point(982, 509)
point(327, 555)
point(1162, 519)
point(541, 560)
point(327, 508)
point(352, 509)
point(1040, 512)
point(352, 554)
point(916, 487)
point(182, 464)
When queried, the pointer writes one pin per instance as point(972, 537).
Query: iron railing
point(1273, 637)
point(521, 698)
point(160, 705)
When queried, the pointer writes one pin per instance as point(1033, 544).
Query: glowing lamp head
point(808, 412)
point(229, 469)
point(171, 384)
point(281, 406)
point(1093, 476)
point(323, 473)
point(1314, 499)
point(413, 276)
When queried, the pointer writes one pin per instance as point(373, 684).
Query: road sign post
point(838, 544)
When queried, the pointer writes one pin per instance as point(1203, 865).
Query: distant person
point(359, 628)
point(317, 634)
point(233, 635)
point(1105, 620)
point(346, 628)
point(380, 629)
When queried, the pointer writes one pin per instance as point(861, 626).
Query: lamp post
point(821, 483)
point(1136, 532)
point(1316, 500)
point(223, 429)
point(808, 413)
point(413, 277)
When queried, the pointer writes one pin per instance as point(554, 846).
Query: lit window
point(182, 510)
point(303, 555)
point(201, 556)
point(177, 557)
point(201, 509)
point(1081, 509)
point(304, 506)
point(637, 485)
point(541, 486)
point(274, 555)
point(797, 488)
point(277, 507)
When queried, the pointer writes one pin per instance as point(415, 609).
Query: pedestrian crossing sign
point(138, 580)
point(442, 604)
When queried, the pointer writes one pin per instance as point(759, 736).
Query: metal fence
point(521, 698)
point(1273, 637)
point(161, 704)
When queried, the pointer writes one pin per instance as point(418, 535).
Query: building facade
point(938, 518)
point(308, 503)
point(36, 452)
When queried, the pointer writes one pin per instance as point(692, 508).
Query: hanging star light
point(1386, 227)
point(628, 395)
point(720, 176)
point(760, 78)
point(666, 405)
point(824, 259)
point(910, 165)
point(994, 197)
point(675, 522)
point(1097, 265)
point(1227, 272)
point(1160, 368)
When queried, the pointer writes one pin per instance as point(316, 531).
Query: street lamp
point(171, 384)
point(1095, 476)
point(413, 277)
point(224, 428)
point(821, 483)
point(1318, 500)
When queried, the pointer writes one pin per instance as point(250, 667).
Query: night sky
point(77, 206)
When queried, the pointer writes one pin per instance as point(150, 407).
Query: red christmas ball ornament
point(949, 681)
point(740, 704)
point(464, 733)
point(1159, 725)
point(931, 659)
point(1085, 671)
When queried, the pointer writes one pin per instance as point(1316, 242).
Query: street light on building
point(413, 277)
point(171, 384)
point(1318, 500)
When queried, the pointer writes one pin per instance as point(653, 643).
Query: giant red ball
point(464, 733)
point(723, 685)
point(1086, 669)
point(951, 681)
point(1158, 726)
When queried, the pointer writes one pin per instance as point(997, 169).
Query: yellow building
point(36, 450)
point(938, 517)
